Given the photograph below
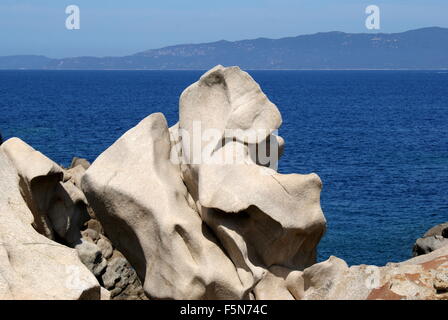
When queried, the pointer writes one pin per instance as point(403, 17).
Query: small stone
point(80, 162)
point(105, 247)
point(90, 233)
point(95, 225)
point(90, 254)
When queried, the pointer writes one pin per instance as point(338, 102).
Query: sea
point(377, 139)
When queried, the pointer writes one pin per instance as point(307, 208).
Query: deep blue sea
point(377, 139)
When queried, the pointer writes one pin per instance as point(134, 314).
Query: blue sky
point(118, 27)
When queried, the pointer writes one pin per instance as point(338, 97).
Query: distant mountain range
point(425, 48)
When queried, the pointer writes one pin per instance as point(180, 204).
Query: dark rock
point(122, 281)
point(110, 267)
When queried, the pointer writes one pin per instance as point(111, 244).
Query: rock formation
point(37, 181)
point(195, 211)
point(33, 266)
point(262, 218)
point(435, 238)
point(421, 278)
point(206, 229)
point(138, 195)
point(61, 213)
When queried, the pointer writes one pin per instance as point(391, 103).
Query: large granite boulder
point(33, 266)
point(139, 197)
point(39, 178)
point(61, 212)
point(59, 208)
point(218, 224)
point(261, 217)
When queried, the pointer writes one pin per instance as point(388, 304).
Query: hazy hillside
point(417, 49)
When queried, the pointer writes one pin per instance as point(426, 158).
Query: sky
point(119, 27)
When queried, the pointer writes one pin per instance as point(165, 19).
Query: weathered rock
point(68, 212)
point(38, 181)
point(435, 238)
point(95, 225)
point(105, 247)
point(428, 244)
point(275, 284)
point(32, 266)
point(122, 281)
point(90, 254)
point(420, 278)
point(262, 218)
point(59, 208)
point(127, 285)
point(439, 230)
point(75, 175)
point(141, 201)
point(85, 164)
point(91, 235)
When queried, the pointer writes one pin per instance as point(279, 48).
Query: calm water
point(378, 139)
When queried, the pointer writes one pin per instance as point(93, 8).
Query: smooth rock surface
point(262, 218)
point(141, 201)
point(32, 266)
point(39, 177)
